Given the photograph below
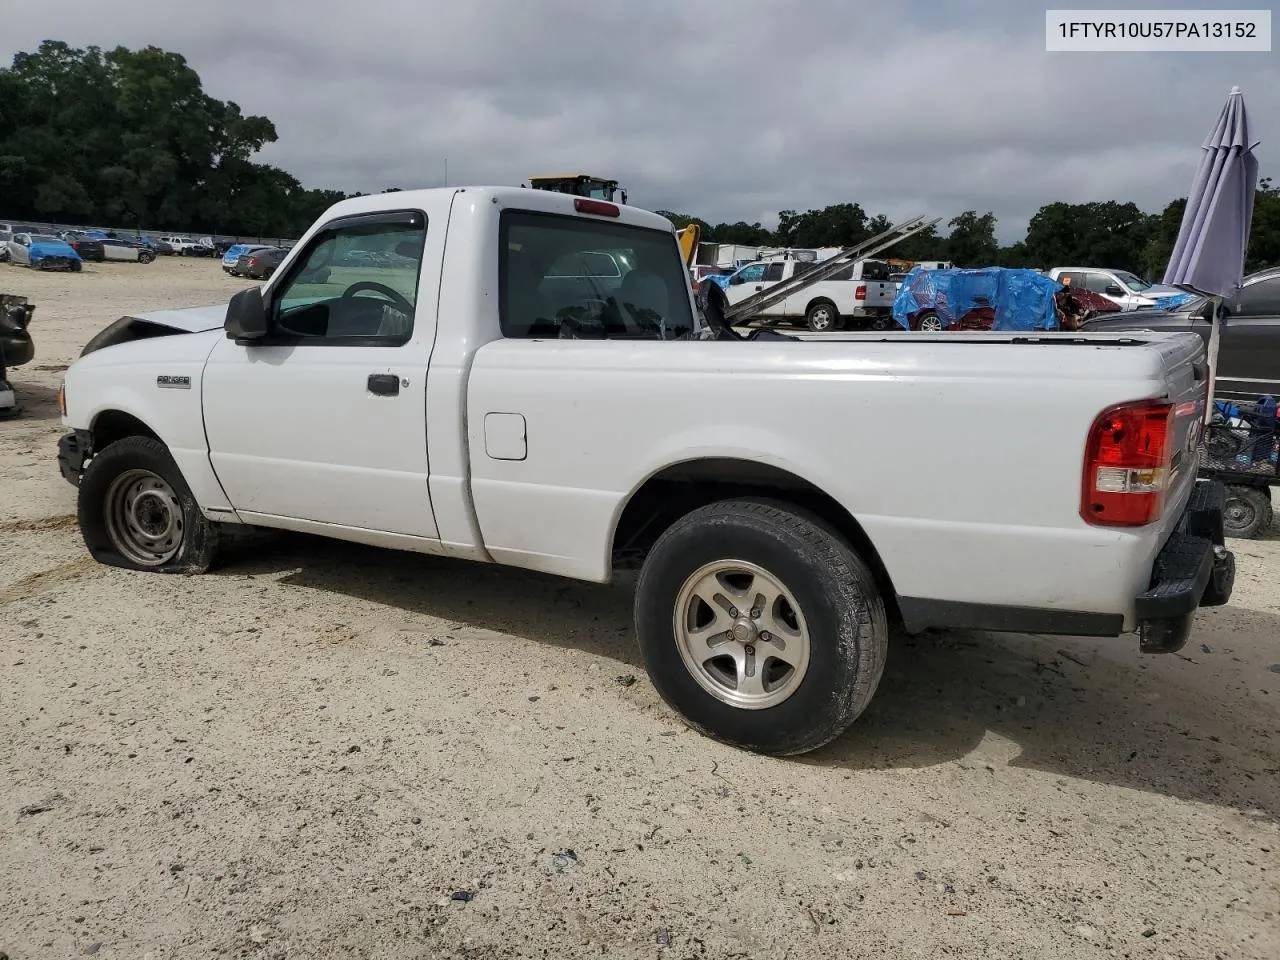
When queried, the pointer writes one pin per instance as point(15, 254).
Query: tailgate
point(1186, 372)
point(880, 293)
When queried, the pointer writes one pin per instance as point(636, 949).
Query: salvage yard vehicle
point(860, 294)
point(16, 346)
point(44, 252)
point(464, 402)
point(1249, 348)
point(1128, 291)
point(232, 256)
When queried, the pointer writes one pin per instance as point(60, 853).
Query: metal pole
point(1215, 334)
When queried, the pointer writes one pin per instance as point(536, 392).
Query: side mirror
point(1113, 291)
point(246, 316)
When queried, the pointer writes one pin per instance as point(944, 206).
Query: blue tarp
point(1023, 299)
point(1173, 300)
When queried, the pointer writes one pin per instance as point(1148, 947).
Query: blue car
point(44, 252)
point(234, 253)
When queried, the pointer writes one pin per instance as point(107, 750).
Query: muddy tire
point(761, 626)
point(137, 512)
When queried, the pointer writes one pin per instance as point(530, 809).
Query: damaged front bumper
point(1194, 569)
point(74, 450)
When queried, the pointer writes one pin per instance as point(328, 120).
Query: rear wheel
point(1247, 513)
point(761, 626)
point(822, 316)
point(145, 256)
point(136, 511)
point(929, 322)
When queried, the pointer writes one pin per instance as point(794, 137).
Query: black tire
point(834, 590)
point(822, 316)
point(197, 538)
point(77, 266)
point(930, 322)
point(146, 256)
point(1248, 512)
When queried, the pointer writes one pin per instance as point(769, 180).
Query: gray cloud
point(732, 110)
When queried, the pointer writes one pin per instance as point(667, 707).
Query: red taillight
point(860, 292)
point(1127, 464)
point(598, 207)
point(254, 261)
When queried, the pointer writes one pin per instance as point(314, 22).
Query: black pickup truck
point(1249, 347)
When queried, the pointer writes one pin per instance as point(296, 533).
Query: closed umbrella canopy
point(1210, 250)
point(1209, 254)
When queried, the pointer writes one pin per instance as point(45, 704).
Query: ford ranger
point(436, 371)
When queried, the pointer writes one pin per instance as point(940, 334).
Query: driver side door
point(323, 421)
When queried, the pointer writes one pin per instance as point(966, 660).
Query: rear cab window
point(565, 277)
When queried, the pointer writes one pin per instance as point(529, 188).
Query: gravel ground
point(326, 750)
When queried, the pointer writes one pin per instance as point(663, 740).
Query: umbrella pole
point(1215, 335)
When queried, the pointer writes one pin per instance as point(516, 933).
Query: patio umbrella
point(1208, 256)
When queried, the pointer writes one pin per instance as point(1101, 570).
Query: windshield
point(1134, 283)
point(43, 238)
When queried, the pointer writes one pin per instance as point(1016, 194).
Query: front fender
point(157, 382)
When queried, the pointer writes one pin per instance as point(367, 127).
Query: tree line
point(1100, 234)
point(130, 138)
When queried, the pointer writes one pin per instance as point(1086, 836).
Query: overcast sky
point(730, 109)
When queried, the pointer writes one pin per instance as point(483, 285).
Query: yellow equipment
point(579, 185)
point(688, 238)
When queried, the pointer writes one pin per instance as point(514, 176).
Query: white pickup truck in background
point(861, 295)
point(483, 396)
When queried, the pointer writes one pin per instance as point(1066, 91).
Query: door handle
point(384, 384)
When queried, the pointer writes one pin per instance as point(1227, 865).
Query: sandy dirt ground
point(324, 750)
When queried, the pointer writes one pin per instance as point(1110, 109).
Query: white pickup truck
point(475, 396)
point(860, 295)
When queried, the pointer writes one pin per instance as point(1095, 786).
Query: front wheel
point(146, 256)
point(137, 512)
point(761, 626)
point(1247, 512)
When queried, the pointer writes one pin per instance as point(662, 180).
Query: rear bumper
point(1194, 569)
point(73, 450)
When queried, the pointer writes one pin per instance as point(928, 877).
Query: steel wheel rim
point(821, 318)
point(741, 634)
point(1239, 513)
point(931, 324)
point(144, 518)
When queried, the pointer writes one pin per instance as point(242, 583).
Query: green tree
point(972, 242)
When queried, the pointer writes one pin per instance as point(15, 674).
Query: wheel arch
point(816, 301)
point(673, 491)
point(112, 425)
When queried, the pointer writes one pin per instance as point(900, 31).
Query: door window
point(773, 272)
point(752, 274)
point(1098, 283)
point(1260, 299)
point(355, 283)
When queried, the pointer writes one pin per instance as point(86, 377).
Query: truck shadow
point(1197, 726)
point(1205, 731)
point(590, 617)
